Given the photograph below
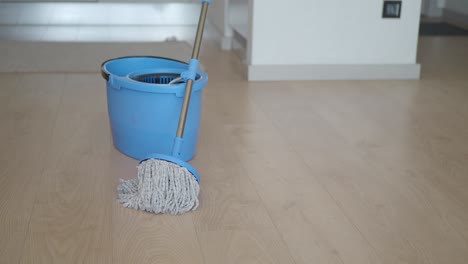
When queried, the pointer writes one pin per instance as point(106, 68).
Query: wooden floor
point(292, 172)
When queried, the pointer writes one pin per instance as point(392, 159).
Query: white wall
point(432, 8)
point(238, 12)
point(460, 6)
point(218, 15)
point(332, 32)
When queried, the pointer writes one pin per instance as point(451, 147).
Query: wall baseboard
point(456, 18)
point(333, 72)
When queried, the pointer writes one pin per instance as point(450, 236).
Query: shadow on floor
point(441, 29)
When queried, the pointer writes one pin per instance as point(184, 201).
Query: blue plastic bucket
point(144, 109)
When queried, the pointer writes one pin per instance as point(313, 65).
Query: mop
point(166, 184)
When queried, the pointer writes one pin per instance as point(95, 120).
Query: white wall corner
point(433, 8)
point(333, 72)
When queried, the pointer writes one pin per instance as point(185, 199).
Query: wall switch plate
point(391, 9)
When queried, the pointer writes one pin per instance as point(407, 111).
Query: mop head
point(161, 187)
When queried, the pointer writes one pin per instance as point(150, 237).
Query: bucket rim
point(106, 75)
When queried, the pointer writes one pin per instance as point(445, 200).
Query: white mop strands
point(161, 187)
